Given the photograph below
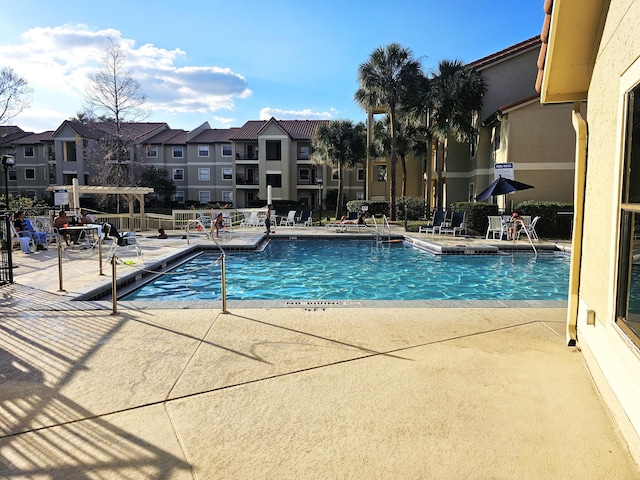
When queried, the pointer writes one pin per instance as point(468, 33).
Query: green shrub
point(415, 207)
point(373, 208)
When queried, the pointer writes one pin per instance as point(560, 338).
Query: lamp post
point(7, 161)
point(319, 183)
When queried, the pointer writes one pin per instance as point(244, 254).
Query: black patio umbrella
point(500, 187)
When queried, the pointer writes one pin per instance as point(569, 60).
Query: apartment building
point(234, 165)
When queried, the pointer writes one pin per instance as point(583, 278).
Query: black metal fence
point(6, 261)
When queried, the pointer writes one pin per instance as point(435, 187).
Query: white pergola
point(130, 193)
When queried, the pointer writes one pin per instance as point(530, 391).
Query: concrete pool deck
point(301, 392)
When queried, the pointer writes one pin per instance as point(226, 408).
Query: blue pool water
point(362, 270)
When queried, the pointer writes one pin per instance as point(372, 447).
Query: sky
point(227, 62)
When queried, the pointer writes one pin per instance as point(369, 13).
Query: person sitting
point(516, 222)
point(162, 234)
point(219, 223)
point(61, 222)
point(24, 227)
point(107, 229)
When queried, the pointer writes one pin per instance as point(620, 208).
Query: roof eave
point(575, 31)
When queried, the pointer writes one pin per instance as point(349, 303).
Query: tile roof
point(35, 138)
point(169, 137)
point(507, 52)
point(544, 38)
point(10, 133)
point(213, 135)
point(296, 129)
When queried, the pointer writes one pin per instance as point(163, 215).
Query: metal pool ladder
point(378, 232)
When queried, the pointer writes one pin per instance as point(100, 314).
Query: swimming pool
point(362, 270)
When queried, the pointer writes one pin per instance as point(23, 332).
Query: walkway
point(300, 393)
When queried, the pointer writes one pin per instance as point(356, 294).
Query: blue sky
point(228, 62)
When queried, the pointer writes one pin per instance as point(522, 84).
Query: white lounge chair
point(305, 219)
point(24, 239)
point(496, 227)
point(289, 220)
point(529, 230)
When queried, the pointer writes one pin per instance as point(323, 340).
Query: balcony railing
point(244, 156)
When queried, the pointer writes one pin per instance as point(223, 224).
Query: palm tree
point(453, 97)
point(341, 144)
point(411, 138)
point(385, 82)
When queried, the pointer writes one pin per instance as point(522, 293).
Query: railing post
point(224, 283)
point(59, 244)
point(114, 295)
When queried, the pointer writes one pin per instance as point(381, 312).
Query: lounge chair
point(24, 239)
point(289, 220)
point(496, 227)
point(305, 218)
point(457, 224)
point(129, 241)
point(438, 220)
point(529, 230)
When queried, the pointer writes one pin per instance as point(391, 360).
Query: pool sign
point(61, 197)
point(504, 170)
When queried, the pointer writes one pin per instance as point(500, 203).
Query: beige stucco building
point(592, 52)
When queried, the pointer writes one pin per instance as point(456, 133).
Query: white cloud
point(57, 62)
point(306, 114)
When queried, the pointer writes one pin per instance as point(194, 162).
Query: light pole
point(319, 183)
point(7, 161)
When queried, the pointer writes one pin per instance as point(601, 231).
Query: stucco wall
point(619, 48)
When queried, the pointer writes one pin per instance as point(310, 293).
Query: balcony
point(250, 157)
point(241, 180)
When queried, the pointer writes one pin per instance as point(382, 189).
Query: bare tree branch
point(15, 94)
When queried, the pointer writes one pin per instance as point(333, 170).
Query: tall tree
point(453, 97)
point(341, 144)
point(114, 97)
point(385, 82)
point(411, 138)
point(158, 179)
point(15, 94)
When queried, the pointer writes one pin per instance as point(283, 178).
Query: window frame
point(152, 149)
point(206, 177)
point(226, 173)
point(33, 151)
point(33, 171)
point(206, 193)
point(224, 152)
point(175, 149)
point(201, 152)
point(227, 196)
point(271, 154)
point(175, 175)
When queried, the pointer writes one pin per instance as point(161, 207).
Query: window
point(334, 174)
point(30, 194)
point(304, 174)
point(274, 179)
point(304, 151)
point(227, 197)
point(361, 174)
point(152, 151)
point(30, 173)
point(204, 174)
point(382, 173)
point(472, 192)
point(204, 197)
point(13, 175)
point(628, 288)
point(178, 173)
point(274, 150)
point(177, 152)
point(203, 150)
point(359, 195)
point(29, 151)
point(226, 150)
point(178, 197)
point(227, 174)
point(495, 140)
